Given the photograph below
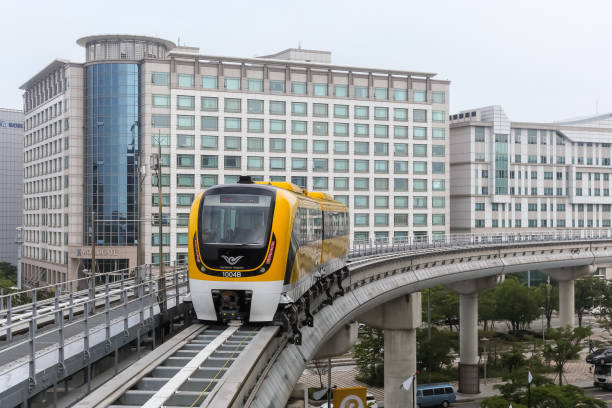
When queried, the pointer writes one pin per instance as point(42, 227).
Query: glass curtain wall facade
point(501, 164)
point(112, 153)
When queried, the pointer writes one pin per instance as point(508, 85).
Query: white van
point(602, 376)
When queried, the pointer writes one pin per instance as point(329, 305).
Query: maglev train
point(257, 247)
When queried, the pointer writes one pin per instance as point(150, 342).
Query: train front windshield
point(240, 219)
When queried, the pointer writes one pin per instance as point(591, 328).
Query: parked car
point(603, 357)
point(597, 310)
point(431, 395)
point(589, 357)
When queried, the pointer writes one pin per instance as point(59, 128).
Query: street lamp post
point(19, 242)
point(486, 357)
point(542, 310)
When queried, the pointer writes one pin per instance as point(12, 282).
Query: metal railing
point(130, 296)
point(450, 241)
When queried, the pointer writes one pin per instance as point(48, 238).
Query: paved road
point(605, 396)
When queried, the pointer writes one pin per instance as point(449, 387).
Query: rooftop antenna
point(597, 106)
point(299, 45)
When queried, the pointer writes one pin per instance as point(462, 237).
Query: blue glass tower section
point(112, 154)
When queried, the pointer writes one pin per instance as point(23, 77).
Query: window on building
point(160, 78)
point(298, 88)
point(232, 105)
point(185, 160)
point(209, 82)
point(341, 111)
point(319, 146)
point(209, 103)
point(361, 92)
point(362, 130)
point(438, 97)
point(341, 91)
point(209, 123)
point(254, 163)
point(299, 108)
point(362, 112)
point(277, 163)
point(209, 142)
point(255, 85)
point(184, 180)
point(232, 124)
point(277, 107)
point(255, 125)
point(208, 180)
point(277, 126)
point(231, 83)
point(161, 101)
point(185, 80)
point(400, 95)
point(185, 141)
point(209, 161)
point(299, 127)
point(381, 93)
point(255, 106)
point(299, 146)
point(232, 142)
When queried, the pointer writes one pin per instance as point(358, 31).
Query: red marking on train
point(270, 252)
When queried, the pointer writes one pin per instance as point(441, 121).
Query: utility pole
point(156, 165)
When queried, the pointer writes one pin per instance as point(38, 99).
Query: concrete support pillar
point(399, 318)
point(400, 363)
point(469, 380)
point(566, 277)
point(468, 344)
point(566, 303)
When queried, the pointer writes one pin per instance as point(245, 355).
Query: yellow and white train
point(256, 248)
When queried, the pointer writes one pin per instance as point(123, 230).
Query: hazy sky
point(542, 60)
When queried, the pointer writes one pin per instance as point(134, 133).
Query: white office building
point(376, 139)
point(521, 177)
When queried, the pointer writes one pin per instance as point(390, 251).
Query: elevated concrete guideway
point(377, 279)
point(382, 275)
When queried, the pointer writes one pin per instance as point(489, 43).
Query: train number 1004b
point(232, 274)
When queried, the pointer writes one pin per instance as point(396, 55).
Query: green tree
point(548, 299)
point(487, 305)
point(545, 396)
point(565, 346)
point(514, 358)
point(444, 305)
point(369, 356)
point(516, 303)
point(437, 352)
point(8, 275)
point(516, 382)
point(567, 396)
point(587, 293)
